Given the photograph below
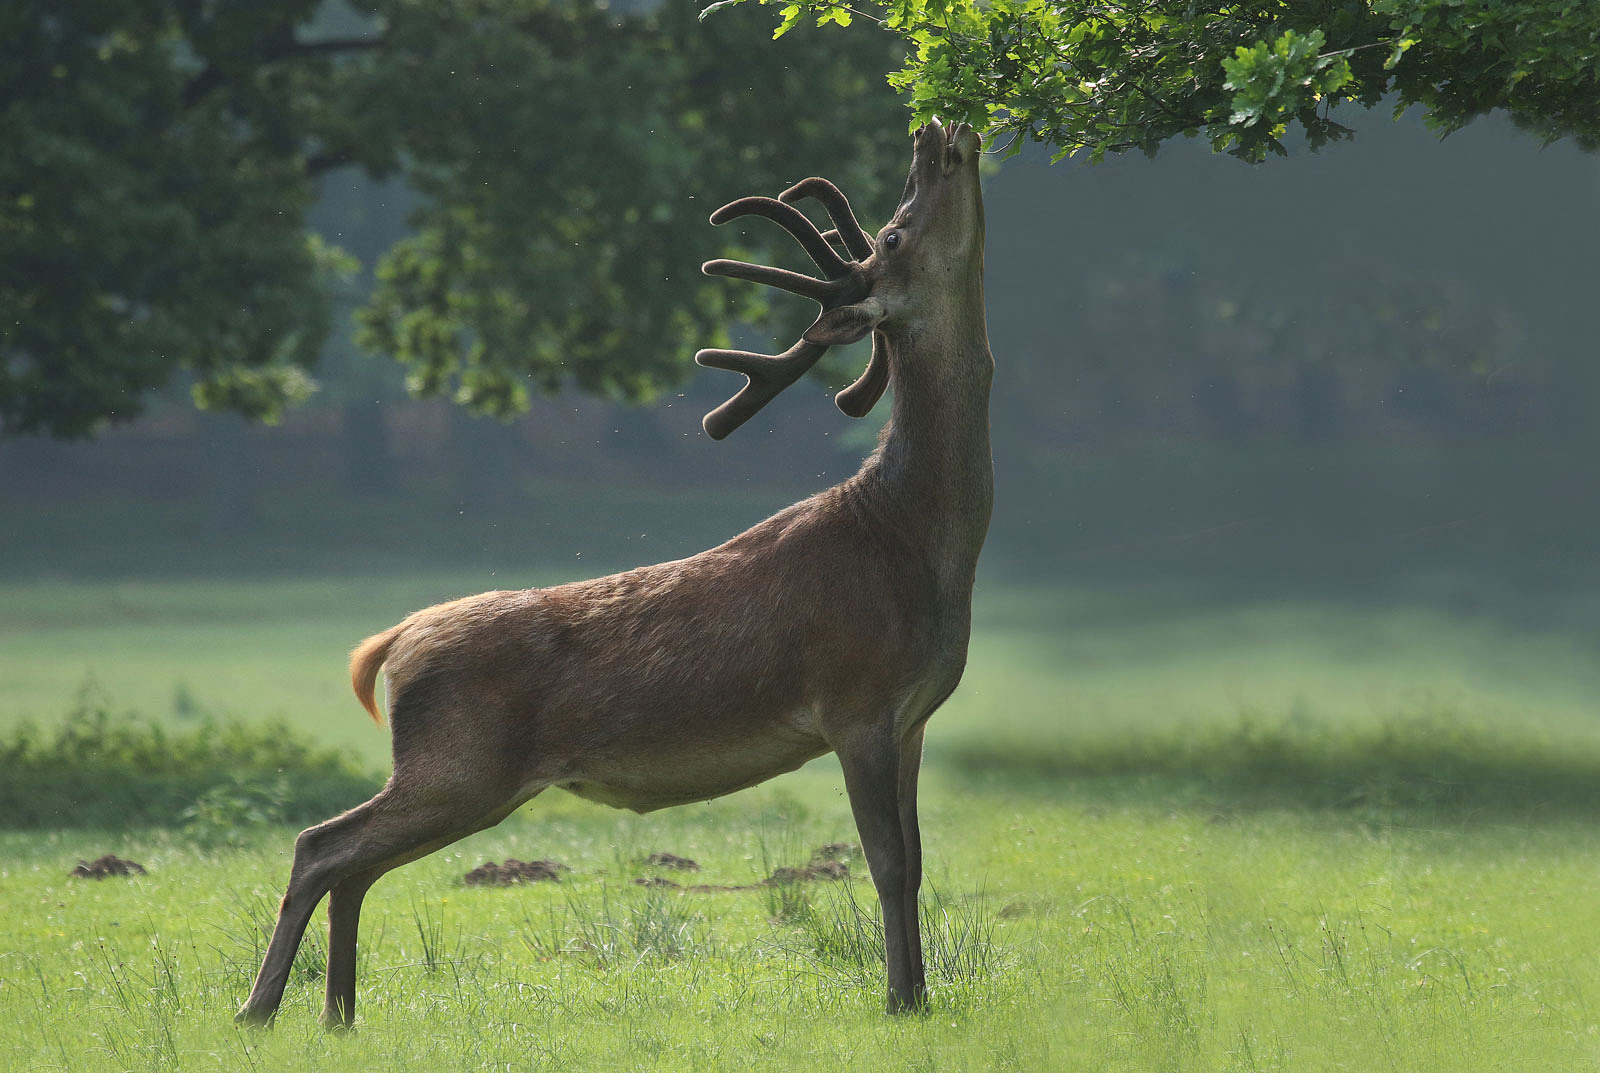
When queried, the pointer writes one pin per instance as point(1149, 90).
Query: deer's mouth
point(943, 149)
point(963, 145)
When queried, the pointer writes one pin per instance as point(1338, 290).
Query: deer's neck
point(932, 478)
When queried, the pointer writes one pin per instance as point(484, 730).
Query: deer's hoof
point(251, 1018)
point(899, 1004)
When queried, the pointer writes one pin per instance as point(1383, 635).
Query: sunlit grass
point(1161, 834)
point(1115, 933)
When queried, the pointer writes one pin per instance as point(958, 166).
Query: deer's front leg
point(911, 833)
point(876, 774)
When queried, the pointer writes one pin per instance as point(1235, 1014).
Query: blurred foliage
point(227, 813)
point(1424, 758)
point(100, 769)
point(145, 227)
point(1237, 351)
point(1085, 75)
point(162, 156)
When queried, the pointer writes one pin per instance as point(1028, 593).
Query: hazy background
point(1316, 434)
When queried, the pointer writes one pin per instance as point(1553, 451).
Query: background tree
point(1106, 77)
point(161, 156)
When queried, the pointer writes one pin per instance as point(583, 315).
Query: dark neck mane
point(932, 476)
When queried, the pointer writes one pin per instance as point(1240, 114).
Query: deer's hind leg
point(409, 818)
point(344, 915)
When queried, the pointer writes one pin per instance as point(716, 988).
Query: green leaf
point(789, 17)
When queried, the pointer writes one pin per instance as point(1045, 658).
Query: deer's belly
point(688, 773)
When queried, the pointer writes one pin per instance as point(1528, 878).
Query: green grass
point(1115, 931)
point(1162, 834)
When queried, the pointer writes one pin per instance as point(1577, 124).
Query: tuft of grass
point(961, 940)
point(640, 925)
point(840, 933)
point(245, 927)
point(430, 936)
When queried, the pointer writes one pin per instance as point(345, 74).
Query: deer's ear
point(846, 324)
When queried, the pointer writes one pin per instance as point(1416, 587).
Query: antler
point(769, 374)
point(838, 207)
point(791, 220)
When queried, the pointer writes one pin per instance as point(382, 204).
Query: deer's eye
point(891, 240)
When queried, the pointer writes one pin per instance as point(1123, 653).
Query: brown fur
point(839, 624)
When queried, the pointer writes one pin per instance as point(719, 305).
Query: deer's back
point(682, 680)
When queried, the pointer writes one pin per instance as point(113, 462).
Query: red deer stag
point(838, 624)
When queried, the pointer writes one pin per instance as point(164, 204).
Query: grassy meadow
point(1162, 834)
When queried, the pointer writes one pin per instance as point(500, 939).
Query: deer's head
point(922, 273)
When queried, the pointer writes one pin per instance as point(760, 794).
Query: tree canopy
point(161, 156)
point(1102, 76)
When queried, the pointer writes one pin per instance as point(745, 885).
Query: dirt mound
point(822, 866)
point(104, 867)
point(813, 871)
point(827, 862)
point(490, 874)
point(656, 881)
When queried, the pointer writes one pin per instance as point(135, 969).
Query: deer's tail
point(364, 663)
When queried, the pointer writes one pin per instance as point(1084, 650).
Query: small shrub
point(184, 706)
point(119, 771)
point(226, 814)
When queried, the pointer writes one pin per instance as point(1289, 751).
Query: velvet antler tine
point(857, 241)
point(845, 285)
point(859, 398)
point(791, 220)
point(832, 238)
point(721, 422)
point(817, 290)
point(768, 376)
point(753, 365)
